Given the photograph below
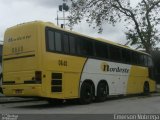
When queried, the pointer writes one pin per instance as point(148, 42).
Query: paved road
point(136, 104)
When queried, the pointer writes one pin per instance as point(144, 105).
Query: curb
point(4, 99)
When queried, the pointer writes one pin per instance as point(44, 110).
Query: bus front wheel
point(87, 93)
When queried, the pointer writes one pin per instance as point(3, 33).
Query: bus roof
point(50, 24)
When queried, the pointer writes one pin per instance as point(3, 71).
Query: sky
point(13, 12)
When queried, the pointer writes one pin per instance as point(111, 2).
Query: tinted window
point(58, 41)
point(150, 63)
point(75, 44)
point(84, 47)
point(66, 43)
point(115, 53)
point(126, 56)
point(134, 58)
point(50, 38)
point(145, 60)
point(101, 50)
point(141, 59)
point(137, 59)
point(72, 44)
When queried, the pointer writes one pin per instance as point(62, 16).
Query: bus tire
point(87, 93)
point(102, 92)
point(1, 91)
point(146, 89)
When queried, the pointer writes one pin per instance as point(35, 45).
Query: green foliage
point(141, 21)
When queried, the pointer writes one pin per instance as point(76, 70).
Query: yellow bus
point(43, 60)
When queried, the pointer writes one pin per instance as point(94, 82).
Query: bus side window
point(150, 62)
point(134, 58)
point(141, 59)
point(84, 47)
point(65, 43)
point(50, 41)
point(145, 60)
point(101, 50)
point(72, 44)
point(58, 41)
point(126, 56)
point(115, 53)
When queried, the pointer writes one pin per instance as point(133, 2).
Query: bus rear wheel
point(1, 91)
point(146, 89)
point(101, 92)
point(87, 93)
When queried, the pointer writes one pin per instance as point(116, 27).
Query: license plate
point(19, 91)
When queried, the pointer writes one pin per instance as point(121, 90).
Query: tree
point(141, 21)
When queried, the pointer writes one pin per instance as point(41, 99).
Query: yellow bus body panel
point(138, 76)
point(24, 68)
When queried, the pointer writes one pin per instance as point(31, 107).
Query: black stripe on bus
point(19, 57)
point(8, 82)
point(32, 82)
point(20, 53)
point(81, 76)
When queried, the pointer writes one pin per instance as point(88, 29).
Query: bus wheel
point(1, 91)
point(87, 93)
point(146, 89)
point(101, 92)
